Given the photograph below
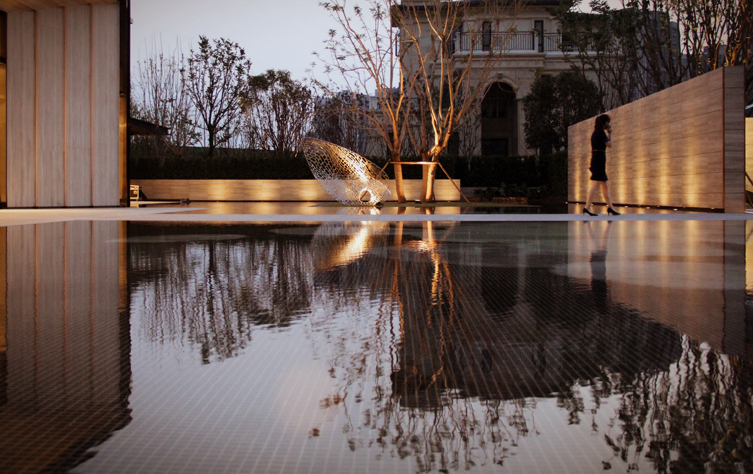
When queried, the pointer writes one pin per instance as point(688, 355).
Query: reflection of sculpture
point(345, 175)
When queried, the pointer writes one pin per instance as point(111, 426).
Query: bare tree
point(279, 110)
point(337, 120)
point(216, 77)
point(366, 55)
point(160, 97)
point(454, 48)
point(649, 45)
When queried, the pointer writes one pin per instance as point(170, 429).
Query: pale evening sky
point(276, 34)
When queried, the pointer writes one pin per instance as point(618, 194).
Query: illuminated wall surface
point(63, 106)
point(681, 147)
point(64, 349)
point(271, 189)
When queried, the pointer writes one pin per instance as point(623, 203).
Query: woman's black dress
point(598, 169)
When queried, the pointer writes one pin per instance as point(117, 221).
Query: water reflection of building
point(65, 368)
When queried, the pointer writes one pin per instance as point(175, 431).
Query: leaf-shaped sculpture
point(345, 175)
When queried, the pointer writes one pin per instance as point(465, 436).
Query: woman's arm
point(608, 133)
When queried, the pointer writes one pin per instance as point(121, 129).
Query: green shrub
point(515, 172)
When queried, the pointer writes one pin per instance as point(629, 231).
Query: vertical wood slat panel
point(78, 106)
point(78, 285)
point(21, 315)
point(21, 120)
point(106, 344)
point(51, 108)
point(105, 101)
point(51, 315)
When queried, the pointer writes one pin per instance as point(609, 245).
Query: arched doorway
point(499, 121)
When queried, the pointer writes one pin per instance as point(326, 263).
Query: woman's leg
point(591, 194)
point(606, 193)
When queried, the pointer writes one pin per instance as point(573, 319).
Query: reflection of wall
point(68, 362)
point(64, 105)
point(680, 147)
point(687, 275)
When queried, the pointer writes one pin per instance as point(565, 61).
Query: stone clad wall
point(270, 189)
point(681, 147)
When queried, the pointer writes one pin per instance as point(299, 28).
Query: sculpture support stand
point(427, 166)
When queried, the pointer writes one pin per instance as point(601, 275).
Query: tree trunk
point(427, 182)
point(399, 187)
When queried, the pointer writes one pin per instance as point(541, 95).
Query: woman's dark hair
point(601, 122)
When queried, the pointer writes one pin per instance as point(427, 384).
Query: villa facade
point(529, 45)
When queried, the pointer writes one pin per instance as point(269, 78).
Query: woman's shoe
point(612, 212)
point(586, 211)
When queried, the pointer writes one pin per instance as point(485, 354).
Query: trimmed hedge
point(481, 171)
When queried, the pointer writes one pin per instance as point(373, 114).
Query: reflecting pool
point(376, 347)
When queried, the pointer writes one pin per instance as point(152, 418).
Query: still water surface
point(377, 347)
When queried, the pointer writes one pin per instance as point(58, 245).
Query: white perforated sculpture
point(345, 175)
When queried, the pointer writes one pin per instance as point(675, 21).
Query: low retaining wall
point(270, 189)
point(681, 147)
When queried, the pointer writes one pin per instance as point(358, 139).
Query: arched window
point(497, 100)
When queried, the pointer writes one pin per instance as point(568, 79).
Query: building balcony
point(525, 41)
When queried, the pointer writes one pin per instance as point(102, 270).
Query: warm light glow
point(667, 149)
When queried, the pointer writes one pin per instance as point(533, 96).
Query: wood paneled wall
point(270, 189)
point(63, 106)
point(681, 147)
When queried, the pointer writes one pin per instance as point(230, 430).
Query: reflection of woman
point(600, 141)
point(599, 267)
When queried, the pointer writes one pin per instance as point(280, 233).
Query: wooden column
point(78, 95)
point(21, 118)
point(105, 104)
point(50, 108)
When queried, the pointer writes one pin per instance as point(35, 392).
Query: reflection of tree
point(697, 416)
point(427, 369)
point(209, 288)
point(407, 362)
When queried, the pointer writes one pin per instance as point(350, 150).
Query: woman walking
point(600, 141)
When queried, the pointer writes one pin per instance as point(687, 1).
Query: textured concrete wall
point(63, 106)
point(681, 147)
point(270, 189)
